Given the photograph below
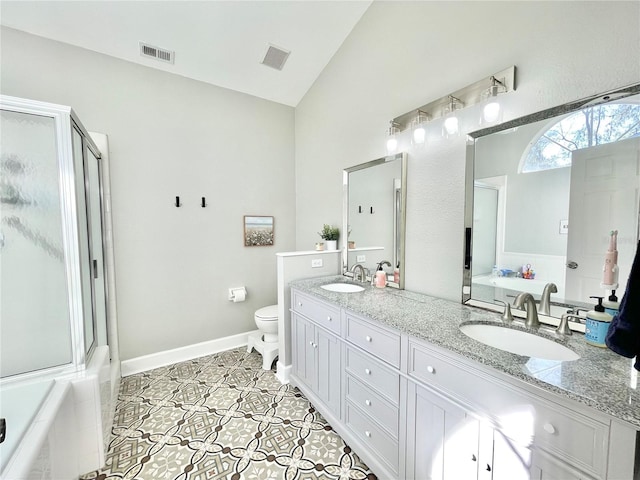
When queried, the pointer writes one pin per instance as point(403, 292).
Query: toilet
point(266, 340)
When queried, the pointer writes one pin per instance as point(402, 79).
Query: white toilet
point(266, 340)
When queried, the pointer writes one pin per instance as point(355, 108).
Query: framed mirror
point(374, 217)
point(543, 194)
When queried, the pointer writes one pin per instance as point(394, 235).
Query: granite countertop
point(599, 378)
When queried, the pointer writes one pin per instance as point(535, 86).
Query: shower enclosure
point(53, 277)
point(52, 284)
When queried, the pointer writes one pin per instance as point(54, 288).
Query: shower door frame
point(65, 120)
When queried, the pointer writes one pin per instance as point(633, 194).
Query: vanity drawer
point(373, 373)
point(325, 315)
point(373, 404)
point(378, 341)
point(575, 438)
point(374, 437)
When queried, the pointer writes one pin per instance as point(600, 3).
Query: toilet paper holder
point(237, 294)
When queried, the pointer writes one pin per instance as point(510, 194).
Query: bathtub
point(58, 428)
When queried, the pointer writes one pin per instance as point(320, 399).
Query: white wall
point(402, 55)
point(170, 136)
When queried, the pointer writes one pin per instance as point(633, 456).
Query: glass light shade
point(419, 135)
point(451, 125)
point(392, 144)
point(491, 112)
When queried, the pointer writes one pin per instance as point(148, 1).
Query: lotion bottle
point(597, 325)
point(381, 277)
point(396, 273)
point(611, 306)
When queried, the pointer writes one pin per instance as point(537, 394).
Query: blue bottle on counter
point(598, 322)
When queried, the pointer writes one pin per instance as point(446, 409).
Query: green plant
point(329, 233)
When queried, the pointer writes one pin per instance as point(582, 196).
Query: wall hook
point(178, 202)
point(204, 202)
point(359, 208)
point(371, 210)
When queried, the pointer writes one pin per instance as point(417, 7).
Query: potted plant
point(330, 235)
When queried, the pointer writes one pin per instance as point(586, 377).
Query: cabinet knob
point(299, 304)
point(310, 343)
point(473, 458)
point(367, 371)
point(367, 403)
point(368, 433)
point(329, 318)
point(549, 428)
point(430, 369)
point(315, 345)
point(488, 468)
point(368, 338)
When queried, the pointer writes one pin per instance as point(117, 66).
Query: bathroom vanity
point(416, 398)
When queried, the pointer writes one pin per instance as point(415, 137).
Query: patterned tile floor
point(221, 416)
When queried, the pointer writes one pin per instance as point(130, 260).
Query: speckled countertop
point(600, 378)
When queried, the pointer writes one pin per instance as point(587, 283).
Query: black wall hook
point(178, 202)
point(204, 202)
point(371, 210)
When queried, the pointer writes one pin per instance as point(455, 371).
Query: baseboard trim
point(283, 372)
point(161, 359)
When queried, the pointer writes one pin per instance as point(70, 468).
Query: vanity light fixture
point(392, 137)
point(418, 130)
point(451, 123)
point(492, 111)
point(449, 108)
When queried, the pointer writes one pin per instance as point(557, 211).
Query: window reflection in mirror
point(546, 191)
point(374, 216)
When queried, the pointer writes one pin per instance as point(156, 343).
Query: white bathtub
point(58, 428)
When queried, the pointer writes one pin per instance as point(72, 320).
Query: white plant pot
point(331, 244)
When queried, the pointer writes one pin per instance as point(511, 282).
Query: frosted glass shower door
point(35, 330)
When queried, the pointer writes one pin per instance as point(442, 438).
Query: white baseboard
point(283, 372)
point(168, 357)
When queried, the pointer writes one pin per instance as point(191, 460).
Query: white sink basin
point(342, 287)
point(518, 342)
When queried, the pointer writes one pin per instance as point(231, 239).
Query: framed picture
point(258, 231)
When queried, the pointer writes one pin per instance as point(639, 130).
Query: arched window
point(582, 129)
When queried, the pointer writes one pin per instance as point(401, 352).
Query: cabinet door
point(304, 352)
point(511, 461)
point(546, 467)
point(328, 371)
point(442, 441)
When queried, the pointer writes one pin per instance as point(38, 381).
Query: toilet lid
point(268, 313)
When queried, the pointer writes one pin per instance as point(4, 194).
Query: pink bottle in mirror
point(610, 269)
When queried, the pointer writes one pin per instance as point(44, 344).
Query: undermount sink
point(342, 287)
point(518, 342)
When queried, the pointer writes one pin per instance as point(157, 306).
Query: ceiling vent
point(157, 53)
point(275, 57)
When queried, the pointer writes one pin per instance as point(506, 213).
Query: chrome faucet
point(563, 327)
point(363, 275)
point(525, 300)
point(545, 299)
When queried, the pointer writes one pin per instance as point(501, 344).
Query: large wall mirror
point(543, 193)
point(374, 216)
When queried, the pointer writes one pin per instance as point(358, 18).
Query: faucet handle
point(563, 326)
point(507, 317)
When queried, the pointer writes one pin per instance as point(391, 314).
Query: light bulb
point(392, 145)
point(451, 125)
point(491, 111)
point(419, 135)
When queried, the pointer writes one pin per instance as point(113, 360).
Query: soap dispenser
point(381, 277)
point(612, 305)
point(598, 322)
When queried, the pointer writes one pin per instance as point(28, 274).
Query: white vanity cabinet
point(316, 350)
point(414, 410)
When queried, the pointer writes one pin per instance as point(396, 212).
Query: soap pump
point(597, 324)
point(612, 305)
point(381, 277)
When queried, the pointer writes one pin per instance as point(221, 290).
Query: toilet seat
point(269, 313)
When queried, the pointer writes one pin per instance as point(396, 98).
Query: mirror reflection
point(374, 217)
point(547, 192)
